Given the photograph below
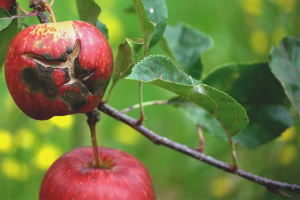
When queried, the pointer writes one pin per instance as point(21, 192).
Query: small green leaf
point(88, 10)
point(186, 45)
point(6, 36)
point(285, 65)
point(102, 27)
point(147, 27)
point(157, 13)
point(260, 93)
point(199, 116)
point(4, 22)
point(126, 58)
point(160, 71)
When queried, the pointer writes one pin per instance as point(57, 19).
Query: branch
point(159, 140)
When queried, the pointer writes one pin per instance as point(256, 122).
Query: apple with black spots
point(8, 5)
point(56, 69)
point(120, 176)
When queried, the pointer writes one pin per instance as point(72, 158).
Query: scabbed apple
point(8, 5)
point(57, 69)
point(121, 176)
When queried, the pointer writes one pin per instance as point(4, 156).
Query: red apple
point(8, 5)
point(56, 69)
point(121, 176)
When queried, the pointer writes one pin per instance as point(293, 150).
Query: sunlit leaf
point(285, 65)
point(4, 22)
point(88, 10)
point(126, 58)
point(185, 45)
point(160, 71)
point(260, 93)
point(147, 27)
point(157, 13)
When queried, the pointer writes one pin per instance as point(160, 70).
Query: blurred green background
point(243, 30)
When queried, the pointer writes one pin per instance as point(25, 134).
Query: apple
point(120, 176)
point(8, 5)
point(56, 69)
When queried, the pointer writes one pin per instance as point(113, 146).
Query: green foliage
point(102, 27)
point(88, 10)
point(241, 32)
point(260, 93)
point(285, 65)
point(184, 45)
point(6, 36)
point(147, 27)
point(160, 71)
point(4, 22)
point(158, 15)
point(126, 58)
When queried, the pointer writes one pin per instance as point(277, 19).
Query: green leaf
point(102, 27)
point(4, 22)
point(6, 36)
point(186, 44)
point(126, 58)
point(160, 71)
point(157, 13)
point(147, 27)
point(88, 10)
point(285, 65)
point(199, 116)
point(260, 93)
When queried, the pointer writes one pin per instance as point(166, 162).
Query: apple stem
point(48, 6)
point(93, 118)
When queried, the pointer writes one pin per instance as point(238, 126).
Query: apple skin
point(8, 5)
point(56, 69)
point(72, 176)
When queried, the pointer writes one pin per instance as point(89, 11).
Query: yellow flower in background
point(125, 134)
point(25, 138)
point(46, 155)
point(278, 34)
point(287, 154)
point(259, 41)
point(6, 141)
point(221, 186)
point(63, 121)
point(288, 134)
point(14, 169)
point(286, 5)
point(253, 7)
point(114, 26)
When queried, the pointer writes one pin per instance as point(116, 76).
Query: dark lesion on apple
point(37, 82)
point(75, 76)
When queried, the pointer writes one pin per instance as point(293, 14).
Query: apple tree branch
point(271, 185)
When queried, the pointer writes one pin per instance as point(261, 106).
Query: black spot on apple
point(48, 57)
point(63, 57)
point(37, 82)
point(73, 100)
point(49, 89)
